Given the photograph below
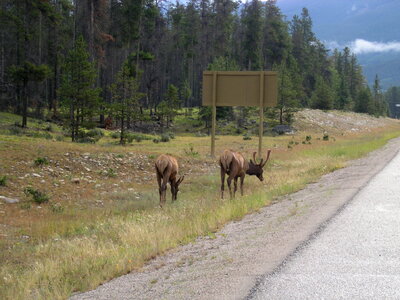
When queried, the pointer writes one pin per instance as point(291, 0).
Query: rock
point(75, 180)
point(9, 200)
point(283, 129)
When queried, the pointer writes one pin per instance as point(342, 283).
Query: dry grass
point(106, 231)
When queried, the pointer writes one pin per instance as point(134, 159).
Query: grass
point(74, 246)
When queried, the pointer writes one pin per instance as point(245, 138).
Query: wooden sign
point(246, 88)
point(240, 88)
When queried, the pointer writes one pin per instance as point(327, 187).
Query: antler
point(254, 157)
point(268, 153)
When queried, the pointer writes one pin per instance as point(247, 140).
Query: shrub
point(325, 137)
point(171, 135)
point(191, 151)
point(165, 138)
point(40, 161)
point(60, 138)
point(3, 180)
point(115, 135)
point(15, 130)
point(308, 138)
point(111, 173)
point(246, 137)
point(156, 140)
point(57, 208)
point(37, 196)
point(49, 128)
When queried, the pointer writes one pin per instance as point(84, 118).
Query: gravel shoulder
point(229, 264)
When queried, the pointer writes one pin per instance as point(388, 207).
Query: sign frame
point(239, 88)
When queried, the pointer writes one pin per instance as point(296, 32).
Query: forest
point(79, 62)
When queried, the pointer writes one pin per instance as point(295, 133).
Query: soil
point(229, 264)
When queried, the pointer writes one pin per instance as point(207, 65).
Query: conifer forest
point(78, 62)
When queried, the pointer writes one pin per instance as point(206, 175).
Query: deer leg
point(241, 184)
point(235, 186)
point(222, 182)
point(163, 190)
point(159, 186)
point(229, 180)
point(172, 184)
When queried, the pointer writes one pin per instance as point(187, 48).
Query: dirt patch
point(227, 264)
point(338, 122)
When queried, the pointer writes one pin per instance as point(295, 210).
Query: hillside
point(341, 22)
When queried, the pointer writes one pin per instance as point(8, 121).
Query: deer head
point(257, 168)
point(175, 187)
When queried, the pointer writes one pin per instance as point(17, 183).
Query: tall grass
point(54, 268)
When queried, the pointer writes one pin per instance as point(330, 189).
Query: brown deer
point(235, 165)
point(166, 170)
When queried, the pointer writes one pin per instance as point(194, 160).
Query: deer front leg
point(222, 182)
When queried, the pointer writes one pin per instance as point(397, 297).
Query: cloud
point(360, 46)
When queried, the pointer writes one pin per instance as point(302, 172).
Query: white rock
point(9, 200)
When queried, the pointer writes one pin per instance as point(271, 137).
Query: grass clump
point(246, 137)
point(41, 161)
point(37, 196)
point(191, 152)
point(3, 180)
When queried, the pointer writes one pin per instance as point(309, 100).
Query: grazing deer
point(166, 170)
point(235, 165)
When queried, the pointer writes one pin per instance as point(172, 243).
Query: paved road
point(355, 256)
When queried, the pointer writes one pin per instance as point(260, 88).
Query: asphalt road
point(356, 255)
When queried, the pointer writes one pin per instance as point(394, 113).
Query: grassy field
point(102, 219)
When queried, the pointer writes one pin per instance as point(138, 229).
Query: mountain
point(369, 27)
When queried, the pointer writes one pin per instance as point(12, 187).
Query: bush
point(15, 130)
point(165, 138)
point(246, 137)
point(37, 196)
point(325, 137)
point(60, 138)
point(115, 135)
point(191, 152)
point(49, 128)
point(171, 135)
point(156, 140)
point(3, 180)
point(40, 161)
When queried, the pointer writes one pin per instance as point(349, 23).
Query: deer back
point(167, 164)
point(233, 161)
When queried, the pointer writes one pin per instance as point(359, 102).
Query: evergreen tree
point(77, 92)
point(125, 98)
point(322, 97)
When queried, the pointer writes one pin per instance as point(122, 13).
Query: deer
point(235, 165)
point(166, 170)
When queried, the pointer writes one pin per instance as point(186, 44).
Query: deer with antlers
point(235, 165)
point(166, 170)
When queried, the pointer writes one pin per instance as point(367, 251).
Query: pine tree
point(322, 97)
point(125, 96)
point(77, 92)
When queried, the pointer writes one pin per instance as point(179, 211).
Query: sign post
point(245, 88)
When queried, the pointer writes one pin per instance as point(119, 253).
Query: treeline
point(85, 59)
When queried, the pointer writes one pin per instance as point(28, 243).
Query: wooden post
point(261, 131)
point(214, 113)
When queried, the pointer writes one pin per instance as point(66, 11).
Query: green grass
point(87, 254)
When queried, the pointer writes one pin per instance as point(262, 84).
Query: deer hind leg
point(241, 184)
point(163, 190)
point(229, 180)
point(222, 182)
point(159, 177)
point(235, 186)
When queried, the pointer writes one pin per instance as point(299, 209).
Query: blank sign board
point(240, 88)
